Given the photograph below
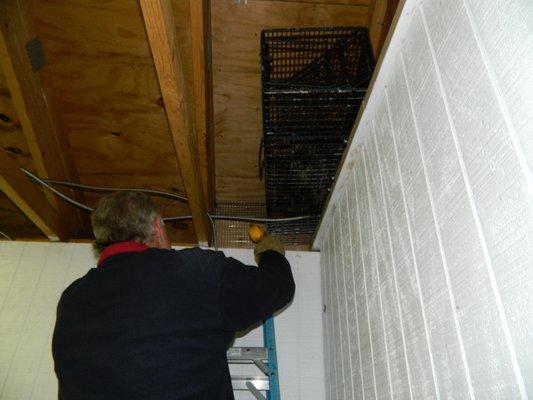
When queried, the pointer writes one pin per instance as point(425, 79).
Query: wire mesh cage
point(317, 58)
point(234, 234)
point(313, 82)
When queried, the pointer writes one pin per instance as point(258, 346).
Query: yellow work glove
point(268, 243)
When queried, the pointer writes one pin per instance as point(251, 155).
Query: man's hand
point(268, 243)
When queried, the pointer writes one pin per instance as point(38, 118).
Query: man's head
point(128, 216)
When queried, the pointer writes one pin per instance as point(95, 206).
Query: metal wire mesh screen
point(234, 234)
point(313, 83)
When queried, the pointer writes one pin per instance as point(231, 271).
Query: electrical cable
point(215, 241)
point(175, 219)
point(239, 218)
point(57, 192)
point(47, 184)
point(85, 207)
point(260, 220)
point(5, 235)
point(92, 188)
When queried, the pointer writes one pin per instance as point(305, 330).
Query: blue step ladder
point(265, 359)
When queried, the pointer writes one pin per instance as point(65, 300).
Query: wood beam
point(392, 6)
point(376, 23)
point(30, 86)
point(30, 199)
point(161, 29)
point(203, 97)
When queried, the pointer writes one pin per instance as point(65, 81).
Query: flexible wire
point(167, 219)
point(260, 220)
point(57, 192)
point(215, 240)
point(47, 184)
point(83, 206)
point(179, 218)
point(5, 235)
point(239, 218)
point(87, 208)
point(93, 188)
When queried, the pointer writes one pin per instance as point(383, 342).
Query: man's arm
point(250, 294)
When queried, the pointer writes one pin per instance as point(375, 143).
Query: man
point(154, 323)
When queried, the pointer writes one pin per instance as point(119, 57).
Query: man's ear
point(160, 234)
point(157, 228)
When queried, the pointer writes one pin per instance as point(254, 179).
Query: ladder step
point(238, 355)
point(265, 359)
point(239, 382)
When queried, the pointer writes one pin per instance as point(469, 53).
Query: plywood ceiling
point(109, 95)
point(110, 101)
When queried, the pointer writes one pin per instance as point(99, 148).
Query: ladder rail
point(269, 339)
point(265, 359)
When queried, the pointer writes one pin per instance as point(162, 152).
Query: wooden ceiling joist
point(30, 199)
point(203, 98)
point(161, 29)
point(377, 27)
point(30, 85)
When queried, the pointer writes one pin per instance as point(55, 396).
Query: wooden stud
point(392, 6)
point(32, 92)
point(159, 22)
point(30, 199)
point(203, 99)
point(377, 27)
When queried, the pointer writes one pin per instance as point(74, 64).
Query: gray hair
point(123, 216)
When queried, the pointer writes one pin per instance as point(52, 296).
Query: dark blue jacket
point(156, 324)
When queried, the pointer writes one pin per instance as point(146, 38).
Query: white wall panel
point(496, 173)
point(504, 32)
point(351, 302)
point(328, 324)
point(357, 321)
point(373, 294)
point(436, 262)
point(394, 330)
point(347, 297)
point(411, 304)
point(325, 324)
point(335, 262)
point(367, 357)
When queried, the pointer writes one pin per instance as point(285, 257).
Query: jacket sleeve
point(250, 294)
